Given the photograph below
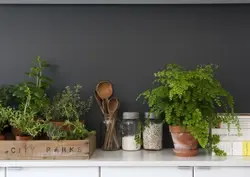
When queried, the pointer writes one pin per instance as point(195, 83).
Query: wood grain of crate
point(48, 149)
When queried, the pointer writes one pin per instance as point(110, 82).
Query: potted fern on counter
point(68, 106)
point(190, 99)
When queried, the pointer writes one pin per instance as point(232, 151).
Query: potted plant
point(78, 131)
point(37, 87)
point(68, 106)
point(27, 125)
point(30, 96)
point(190, 100)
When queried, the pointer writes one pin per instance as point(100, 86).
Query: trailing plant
point(192, 98)
point(25, 120)
point(37, 87)
point(26, 123)
point(67, 105)
point(77, 131)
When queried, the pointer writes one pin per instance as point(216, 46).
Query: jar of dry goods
point(152, 133)
point(131, 131)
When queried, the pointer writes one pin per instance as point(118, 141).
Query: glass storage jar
point(131, 131)
point(152, 132)
point(110, 133)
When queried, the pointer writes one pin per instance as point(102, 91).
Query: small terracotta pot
point(184, 143)
point(64, 127)
point(18, 138)
point(2, 137)
point(15, 131)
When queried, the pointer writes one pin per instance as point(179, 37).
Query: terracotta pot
point(15, 131)
point(18, 138)
point(64, 127)
point(2, 137)
point(184, 143)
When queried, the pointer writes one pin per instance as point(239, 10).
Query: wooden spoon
point(104, 90)
point(113, 105)
point(99, 102)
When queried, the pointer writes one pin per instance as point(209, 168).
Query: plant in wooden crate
point(190, 100)
point(25, 120)
point(68, 106)
point(77, 131)
point(34, 91)
point(38, 85)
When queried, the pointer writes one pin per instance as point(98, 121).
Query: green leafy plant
point(37, 87)
point(192, 98)
point(54, 132)
point(25, 120)
point(77, 131)
point(26, 123)
point(5, 113)
point(67, 105)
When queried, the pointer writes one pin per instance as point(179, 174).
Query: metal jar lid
point(148, 115)
point(131, 115)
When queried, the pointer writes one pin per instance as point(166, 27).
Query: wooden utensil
point(113, 105)
point(104, 90)
point(99, 102)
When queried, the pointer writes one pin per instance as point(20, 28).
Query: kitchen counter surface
point(136, 158)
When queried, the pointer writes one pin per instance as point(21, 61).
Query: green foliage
point(138, 135)
point(191, 98)
point(36, 89)
point(77, 131)
point(5, 113)
point(6, 95)
point(67, 105)
point(26, 123)
point(54, 132)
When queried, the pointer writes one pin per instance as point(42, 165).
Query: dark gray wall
point(126, 44)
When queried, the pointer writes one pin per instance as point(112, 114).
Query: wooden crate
point(48, 149)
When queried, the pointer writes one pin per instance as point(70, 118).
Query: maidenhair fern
point(191, 98)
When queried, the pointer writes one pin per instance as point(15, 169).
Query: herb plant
point(25, 120)
point(26, 123)
point(37, 87)
point(67, 105)
point(191, 98)
point(77, 131)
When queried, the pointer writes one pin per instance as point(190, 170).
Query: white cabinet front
point(221, 171)
point(146, 171)
point(2, 172)
point(53, 172)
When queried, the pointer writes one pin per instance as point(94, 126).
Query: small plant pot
point(19, 138)
point(15, 131)
point(184, 143)
point(2, 137)
point(64, 127)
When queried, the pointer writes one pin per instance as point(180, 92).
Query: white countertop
point(136, 158)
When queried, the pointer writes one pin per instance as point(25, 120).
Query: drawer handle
point(15, 168)
point(184, 167)
point(203, 168)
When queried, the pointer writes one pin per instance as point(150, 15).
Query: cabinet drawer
point(53, 172)
point(221, 171)
point(146, 171)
